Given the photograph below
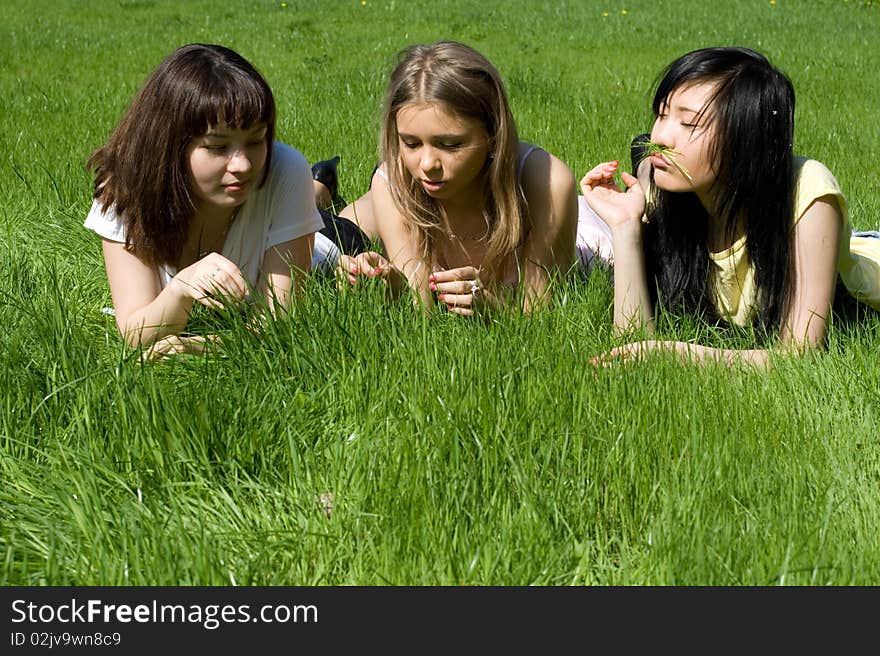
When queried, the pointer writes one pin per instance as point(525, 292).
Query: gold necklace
point(468, 236)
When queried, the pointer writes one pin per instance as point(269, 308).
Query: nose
point(239, 161)
point(429, 160)
point(661, 134)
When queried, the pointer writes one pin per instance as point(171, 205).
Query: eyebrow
point(225, 132)
point(681, 108)
point(435, 137)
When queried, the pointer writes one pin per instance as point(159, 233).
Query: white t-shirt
point(281, 210)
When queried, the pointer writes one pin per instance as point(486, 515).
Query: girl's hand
point(211, 280)
point(175, 344)
point(632, 352)
point(459, 289)
point(615, 206)
point(370, 264)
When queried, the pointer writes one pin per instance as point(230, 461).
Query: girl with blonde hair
point(468, 215)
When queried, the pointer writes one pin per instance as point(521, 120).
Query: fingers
point(226, 279)
point(451, 275)
point(601, 175)
point(369, 264)
point(347, 267)
point(211, 279)
point(374, 263)
point(458, 289)
point(627, 353)
point(175, 344)
point(456, 300)
point(630, 181)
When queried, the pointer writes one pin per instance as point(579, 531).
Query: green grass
point(458, 452)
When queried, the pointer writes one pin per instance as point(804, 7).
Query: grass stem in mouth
point(670, 154)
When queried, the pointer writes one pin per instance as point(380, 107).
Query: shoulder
point(287, 157)
point(542, 173)
point(548, 185)
point(288, 161)
point(813, 180)
point(808, 170)
point(105, 222)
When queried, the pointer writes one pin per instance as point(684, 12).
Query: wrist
point(629, 231)
point(181, 292)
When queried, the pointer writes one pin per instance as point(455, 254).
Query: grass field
point(457, 452)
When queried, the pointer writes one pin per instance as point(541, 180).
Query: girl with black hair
point(735, 228)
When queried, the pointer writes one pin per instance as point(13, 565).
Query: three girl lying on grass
point(196, 203)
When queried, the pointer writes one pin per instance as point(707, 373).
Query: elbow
point(135, 334)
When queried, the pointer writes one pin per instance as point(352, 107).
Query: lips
point(237, 186)
point(433, 185)
point(659, 161)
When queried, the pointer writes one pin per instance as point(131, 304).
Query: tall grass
point(457, 452)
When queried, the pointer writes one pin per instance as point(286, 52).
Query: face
point(445, 152)
point(682, 127)
point(226, 164)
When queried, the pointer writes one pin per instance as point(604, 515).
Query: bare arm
point(145, 312)
point(623, 211)
point(549, 188)
point(283, 269)
point(816, 240)
point(400, 245)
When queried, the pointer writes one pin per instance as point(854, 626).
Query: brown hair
point(465, 83)
point(141, 172)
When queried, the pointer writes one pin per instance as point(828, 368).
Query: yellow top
point(858, 258)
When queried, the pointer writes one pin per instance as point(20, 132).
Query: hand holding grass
point(458, 288)
point(616, 207)
point(211, 279)
point(370, 264)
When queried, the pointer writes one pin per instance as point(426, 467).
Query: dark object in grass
point(325, 173)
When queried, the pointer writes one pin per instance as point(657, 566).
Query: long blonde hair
point(465, 83)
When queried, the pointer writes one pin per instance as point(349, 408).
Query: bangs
point(235, 100)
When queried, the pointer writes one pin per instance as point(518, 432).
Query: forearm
point(536, 290)
point(632, 302)
point(699, 354)
point(166, 315)
point(283, 272)
point(759, 358)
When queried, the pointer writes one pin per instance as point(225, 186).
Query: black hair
point(753, 119)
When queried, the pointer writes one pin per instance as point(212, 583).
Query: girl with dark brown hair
point(196, 202)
